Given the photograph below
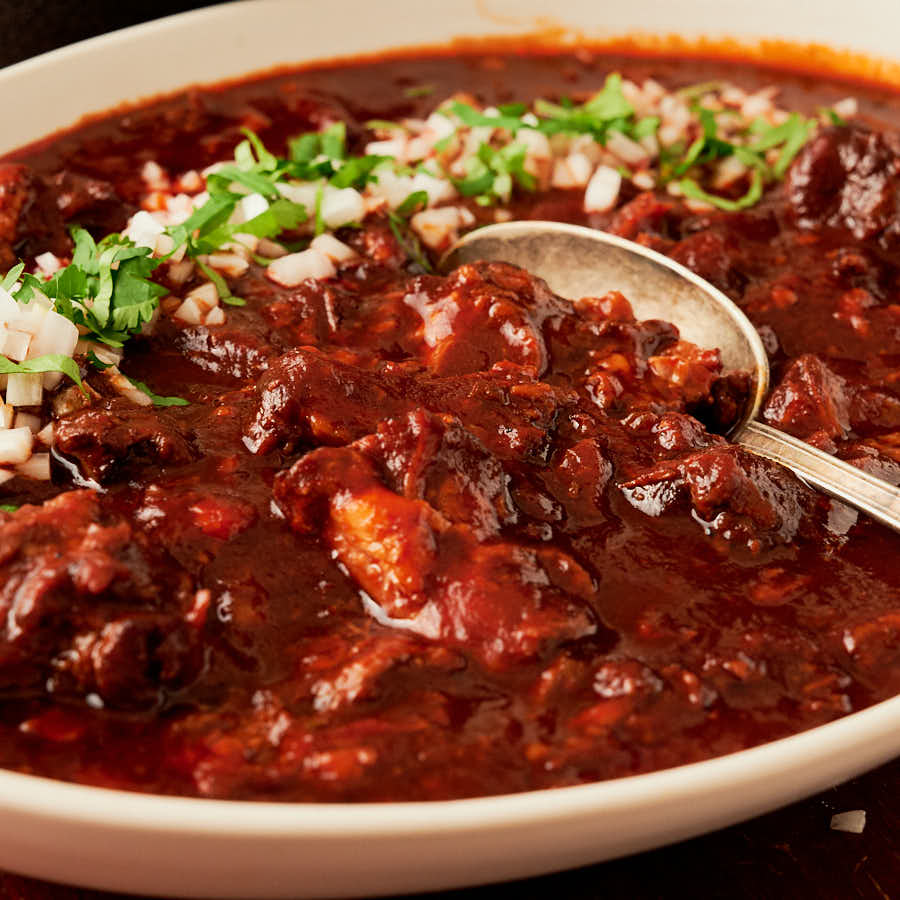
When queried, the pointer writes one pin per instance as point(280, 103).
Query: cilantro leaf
point(50, 362)
point(754, 193)
point(412, 203)
point(220, 284)
point(12, 276)
point(156, 398)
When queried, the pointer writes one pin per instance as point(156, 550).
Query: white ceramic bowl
point(172, 846)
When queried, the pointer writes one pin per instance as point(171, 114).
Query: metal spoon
point(583, 262)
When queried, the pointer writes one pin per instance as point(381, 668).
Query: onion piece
point(24, 389)
point(295, 268)
point(37, 467)
point(337, 251)
point(602, 190)
point(854, 821)
point(7, 415)
point(28, 420)
point(342, 206)
point(15, 445)
point(123, 386)
point(56, 335)
point(45, 435)
point(15, 344)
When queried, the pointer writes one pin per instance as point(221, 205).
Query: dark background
point(787, 854)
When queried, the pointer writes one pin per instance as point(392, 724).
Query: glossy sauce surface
point(421, 537)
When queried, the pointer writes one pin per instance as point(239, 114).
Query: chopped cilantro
point(51, 362)
point(754, 193)
point(156, 398)
point(221, 285)
point(8, 507)
point(96, 362)
point(419, 90)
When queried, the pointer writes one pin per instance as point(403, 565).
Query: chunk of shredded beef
point(426, 568)
point(848, 177)
point(89, 606)
point(111, 438)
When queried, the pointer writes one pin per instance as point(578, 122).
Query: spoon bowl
point(584, 262)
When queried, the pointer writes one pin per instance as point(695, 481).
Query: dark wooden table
point(791, 853)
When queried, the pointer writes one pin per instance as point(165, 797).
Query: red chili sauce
point(362, 565)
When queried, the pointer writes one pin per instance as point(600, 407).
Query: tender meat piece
point(340, 670)
point(482, 314)
point(713, 257)
point(433, 458)
point(89, 604)
point(848, 177)
point(109, 438)
point(30, 220)
point(306, 397)
point(689, 369)
point(422, 573)
point(239, 348)
point(646, 213)
point(742, 497)
point(387, 542)
point(91, 202)
point(620, 364)
point(577, 478)
point(810, 402)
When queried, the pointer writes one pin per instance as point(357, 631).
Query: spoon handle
point(867, 493)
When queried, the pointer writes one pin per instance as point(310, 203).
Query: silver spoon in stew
point(583, 262)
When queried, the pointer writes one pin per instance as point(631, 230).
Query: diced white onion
point(303, 193)
point(342, 206)
point(15, 445)
point(440, 227)
point(390, 187)
point(56, 335)
point(37, 467)
point(26, 316)
point(728, 171)
point(24, 389)
point(395, 147)
point(846, 108)
point(853, 820)
point(155, 176)
point(7, 415)
point(602, 190)
point(627, 150)
point(439, 125)
point(190, 312)
point(229, 263)
point(215, 316)
point(571, 172)
point(45, 435)
point(248, 208)
point(14, 344)
point(144, 229)
point(28, 420)
point(180, 272)
point(48, 263)
point(205, 296)
point(337, 251)
point(109, 355)
point(243, 243)
point(439, 190)
point(296, 268)
point(6, 475)
point(270, 249)
point(123, 386)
